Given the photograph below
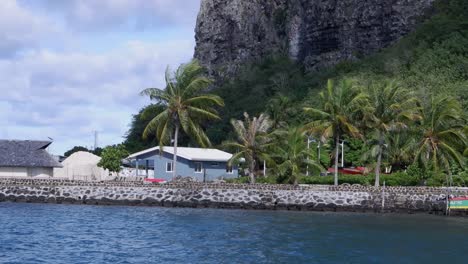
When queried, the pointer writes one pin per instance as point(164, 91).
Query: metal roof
point(26, 153)
point(196, 154)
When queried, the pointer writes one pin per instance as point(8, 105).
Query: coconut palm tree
point(443, 139)
point(399, 148)
point(253, 141)
point(278, 109)
point(186, 107)
point(292, 154)
point(335, 116)
point(393, 108)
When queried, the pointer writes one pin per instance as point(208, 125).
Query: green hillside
point(431, 60)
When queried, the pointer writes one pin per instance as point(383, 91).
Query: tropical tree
point(335, 116)
point(186, 106)
point(111, 158)
point(279, 109)
point(253, 141)
point(400, 148)
point(292, 154)
point(393, 108)
point(443, 139)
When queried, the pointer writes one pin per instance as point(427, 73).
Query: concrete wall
point(257, 196)
point(185, 168)
point(26, 172)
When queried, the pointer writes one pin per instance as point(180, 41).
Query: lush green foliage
point(185, 105)
point(291, 156)
point(111, 158)
point(402, 108)
point(252, 142)
point(134, 141)
point(392, 108)
point(339, 106)
point(443, 139)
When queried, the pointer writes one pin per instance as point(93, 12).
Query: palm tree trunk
point(337, 153)
point(251, 171)
point(379, 161)
point(174, 159)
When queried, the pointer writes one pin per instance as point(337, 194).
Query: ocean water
point(48, 233)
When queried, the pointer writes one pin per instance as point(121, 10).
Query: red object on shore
point(352, 171)
point(459, 198)
point(155, 180)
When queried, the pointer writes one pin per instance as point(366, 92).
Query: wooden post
point(147, 164)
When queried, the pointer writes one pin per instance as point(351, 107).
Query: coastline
point(429, 200)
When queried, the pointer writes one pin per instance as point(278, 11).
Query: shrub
point(268, 179)
point(436, 180)
point(400, 179)
point(243, 179)
point(328, 180)
point(111, 158)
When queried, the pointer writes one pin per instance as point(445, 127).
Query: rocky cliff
point(317, 33)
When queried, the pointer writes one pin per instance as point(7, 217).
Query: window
point(229, 169)
point(214, 164)
point(198, 167)
point(169, 167)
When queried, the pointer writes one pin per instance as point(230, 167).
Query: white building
point(82, 166)
point(26, 158)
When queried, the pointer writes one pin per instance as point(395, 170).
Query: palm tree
point(334, 117)
point(186, 106)
point(399, 148)
point(443, 140)
point(278, 109)
point(293, 154)
point(252, 142)
point(393, 107)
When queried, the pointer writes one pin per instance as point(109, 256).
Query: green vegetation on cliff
point(432, 60)
point(431, 63)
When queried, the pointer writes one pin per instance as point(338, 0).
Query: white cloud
point(53, 87)
point(92, 15)
point(20, 28)
point(68, 96)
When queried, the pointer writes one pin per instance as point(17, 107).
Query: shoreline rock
point(232, 196)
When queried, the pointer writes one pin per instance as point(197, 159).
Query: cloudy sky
point(68, 68)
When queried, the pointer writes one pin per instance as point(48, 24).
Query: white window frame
point(172, 167)
point(229, 169)
point(201, 167)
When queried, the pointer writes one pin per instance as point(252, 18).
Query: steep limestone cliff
point(317, 33)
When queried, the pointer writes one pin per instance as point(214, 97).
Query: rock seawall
point(272, 197)
point(315, 33)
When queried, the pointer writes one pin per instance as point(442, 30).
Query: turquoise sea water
point(45, 233)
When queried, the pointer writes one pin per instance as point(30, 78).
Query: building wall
point(211, 170)
point(13, 172)
point(26, 172)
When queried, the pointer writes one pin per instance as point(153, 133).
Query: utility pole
point(318, 150)
point(309, 140)
point(95, 139)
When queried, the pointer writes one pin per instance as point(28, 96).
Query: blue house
point(201, 164)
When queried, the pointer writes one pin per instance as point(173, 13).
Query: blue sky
point(68, 68)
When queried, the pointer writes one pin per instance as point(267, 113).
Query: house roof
point(196, 154)
point(26, 153)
